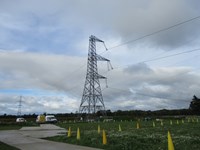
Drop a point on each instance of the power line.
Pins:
(172, 55)
(153, 33)
(142, 37)
(159, 58)
(143, 94)
(155, 59)
(147, 35)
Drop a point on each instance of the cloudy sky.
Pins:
(44, 46)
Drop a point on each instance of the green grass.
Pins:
(4, 146)
(15, 126)
(185, 136)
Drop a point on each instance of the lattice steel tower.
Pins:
(92, 99)
(19, 107)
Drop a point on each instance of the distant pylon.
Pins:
(92, 99)
(19, 107)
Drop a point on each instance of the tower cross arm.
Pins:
(96, 39)
(100, 58)
(100, 76)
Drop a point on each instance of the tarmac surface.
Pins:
(29, 138)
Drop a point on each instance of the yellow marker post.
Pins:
(120, 129)
(161, 123)
(170, 142)
(138, 126)
(171, 123)
(197, 120)
(154, 124)
(183, 121)
(69, 132)
(104, 138)
(177, 122)
(99, 129)
(78, 136)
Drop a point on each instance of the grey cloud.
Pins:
(55, 73)
(37, 104)
(136, 87)
(140, 68)
(40, 71)
(110, 19)
(129, 19)
(132, 19)
(169, 88)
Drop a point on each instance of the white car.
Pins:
(20, 120)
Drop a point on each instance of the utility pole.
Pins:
(92, 99)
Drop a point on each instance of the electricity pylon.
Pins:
(92, 99)
(19, 107)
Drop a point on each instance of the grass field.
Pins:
(185, 135)
(15, 126)
(4, 146)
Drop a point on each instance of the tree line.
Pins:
(194, 109)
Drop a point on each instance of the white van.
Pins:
(20, 120)
(51, 119)
(46, 119)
